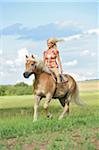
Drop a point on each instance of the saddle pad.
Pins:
(63, 78)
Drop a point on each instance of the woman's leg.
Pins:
(56, 71)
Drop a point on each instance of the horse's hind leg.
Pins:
(66, 110)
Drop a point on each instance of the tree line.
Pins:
(17, 89)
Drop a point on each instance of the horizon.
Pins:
(89, 80)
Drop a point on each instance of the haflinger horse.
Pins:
(45, 86)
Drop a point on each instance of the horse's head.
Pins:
(30, 66)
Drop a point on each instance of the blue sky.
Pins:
(26, 26)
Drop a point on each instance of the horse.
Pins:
(45, 86)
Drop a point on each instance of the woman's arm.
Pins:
(59, 62)
(44, 57)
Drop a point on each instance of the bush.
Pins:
(17, 89)
(22, 84)
(2, 90)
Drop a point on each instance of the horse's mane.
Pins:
(41, 65)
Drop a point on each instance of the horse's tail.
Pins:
(75, 96)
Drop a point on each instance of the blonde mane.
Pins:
(40, 64)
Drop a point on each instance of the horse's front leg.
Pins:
(46, 104)
(36, 105)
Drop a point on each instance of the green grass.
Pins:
(16, 101)
(79, 130)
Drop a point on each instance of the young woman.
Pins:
(52, 57)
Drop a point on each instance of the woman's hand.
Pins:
(61, 71)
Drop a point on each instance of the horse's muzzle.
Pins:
(26, 74)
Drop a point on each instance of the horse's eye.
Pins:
(32, 64)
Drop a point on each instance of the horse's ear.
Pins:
(26, 56)
(33, 56)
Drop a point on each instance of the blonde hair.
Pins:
(55, 41)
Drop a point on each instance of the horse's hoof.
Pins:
(60, 118)
(50, 116)
(34, 120)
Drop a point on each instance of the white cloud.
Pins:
(19, 59)
(63, 24)
(92, 31)
(87, 53)
(80, 75)
(21, 56)
(74, 37)
(1, 61)
(1, 74)
(71, 63)
(93, 54)
(13, 69)
(1, 51)
(9, 62)
(86, 76)
(82, 35)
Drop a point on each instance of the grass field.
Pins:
(78, 131)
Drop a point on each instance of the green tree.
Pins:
(21, 84)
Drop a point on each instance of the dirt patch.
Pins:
(9, 143)
(76, 137)
(34, 145)
(95, 142)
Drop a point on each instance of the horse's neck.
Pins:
(41, 76)
(43, 67)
